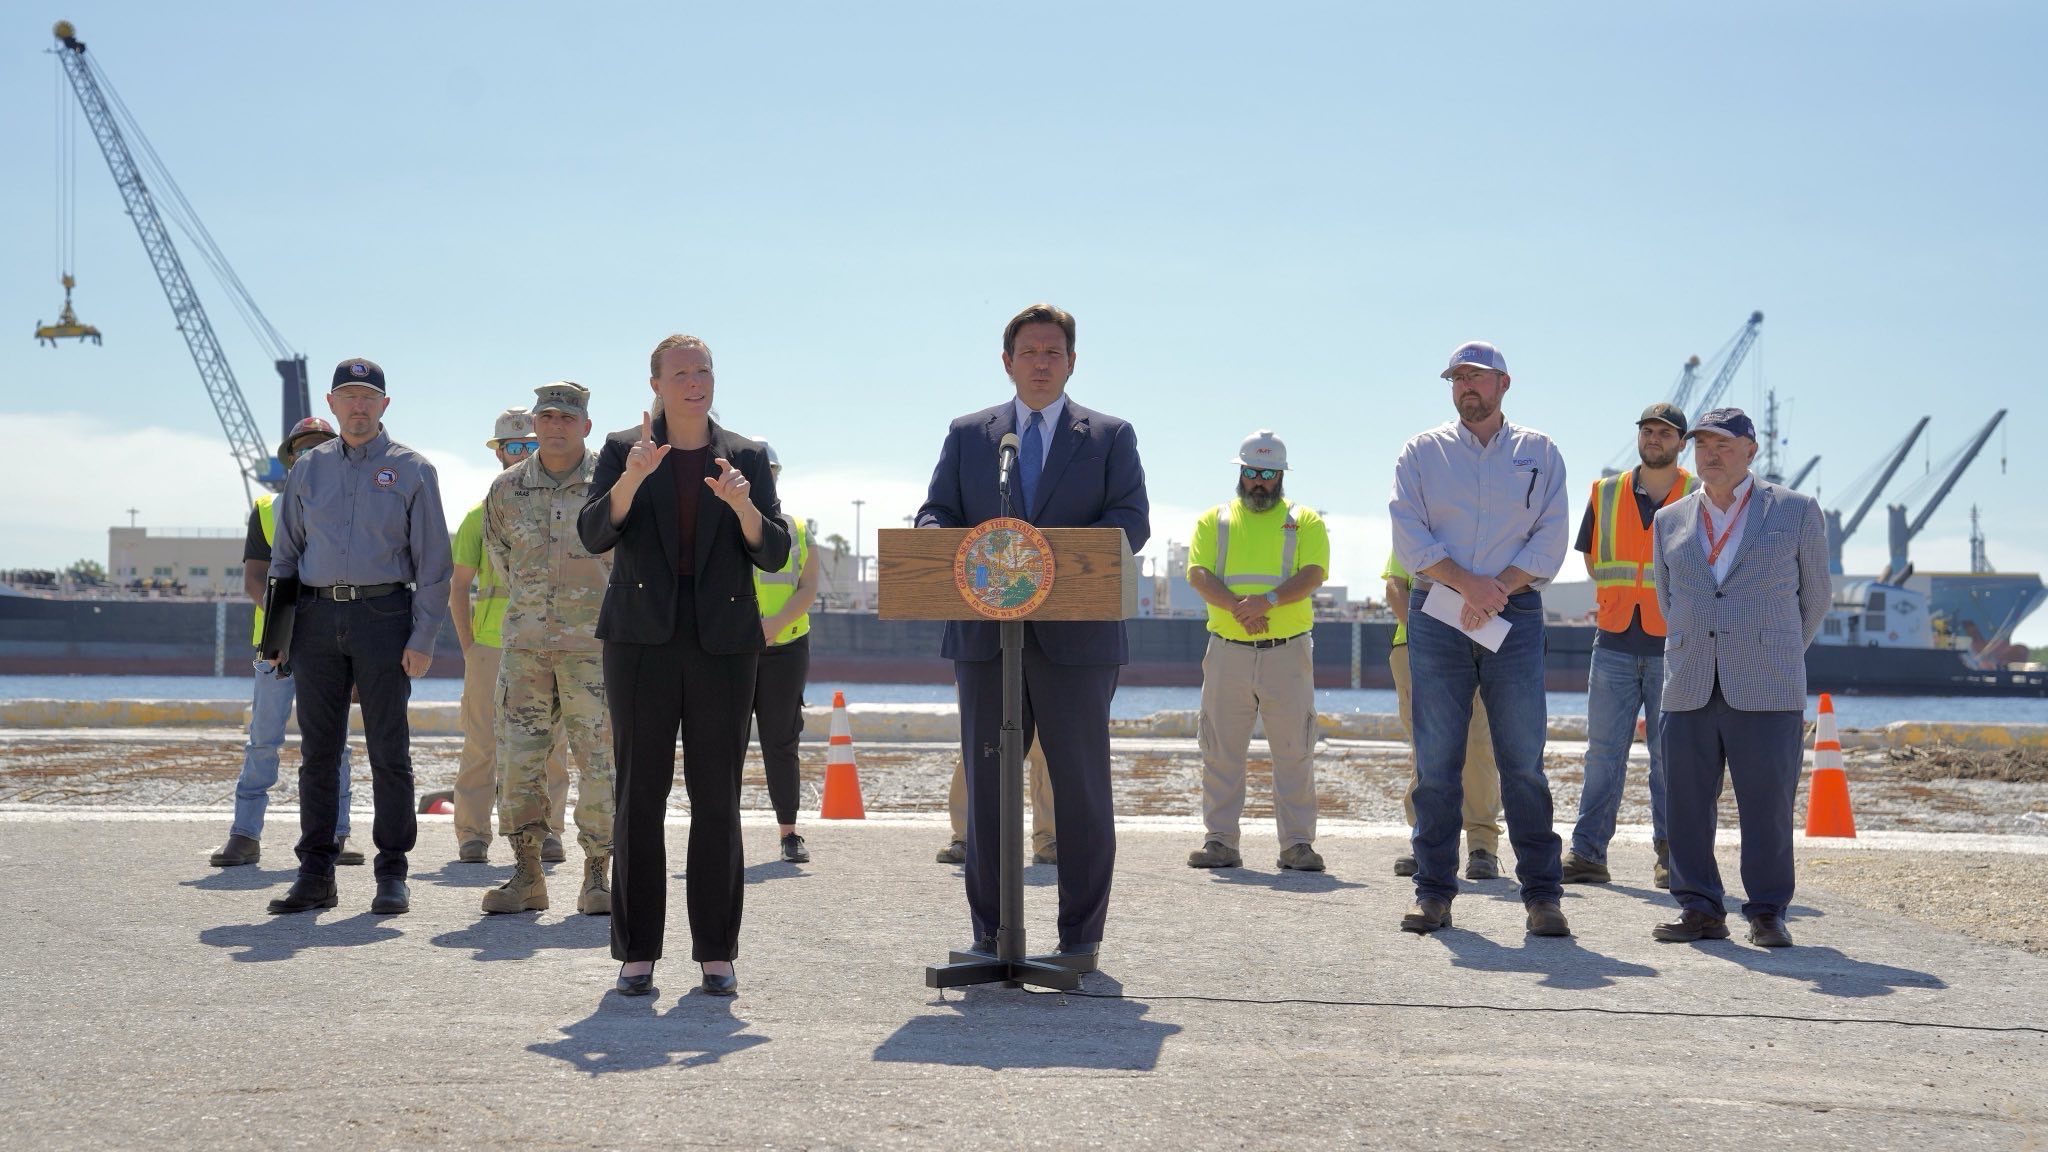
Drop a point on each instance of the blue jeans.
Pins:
(268, 711)
(1446, 667)
(1618, 688)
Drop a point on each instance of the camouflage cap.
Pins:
(513, 424)
(562, 396)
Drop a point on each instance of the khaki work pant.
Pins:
(1242, 684)
(1482, 777)
(1039, 788)
(476, 776)
(542, 693)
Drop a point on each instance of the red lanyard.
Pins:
(1714, 546)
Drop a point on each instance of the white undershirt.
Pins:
(1718, 522)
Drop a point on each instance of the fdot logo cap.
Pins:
(357, 371)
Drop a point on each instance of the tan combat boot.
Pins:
(527, 890)
(596, 899)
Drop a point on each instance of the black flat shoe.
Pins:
(343, 854)
(721, 985)
(1081, 958)
(393, 898)
(636, 985)
(306, 893)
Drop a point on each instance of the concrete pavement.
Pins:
(147, 998)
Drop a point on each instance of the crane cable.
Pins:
(64, 125)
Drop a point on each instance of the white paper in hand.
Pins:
(1445, 604)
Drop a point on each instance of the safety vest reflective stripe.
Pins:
(1288, 538)
(1624, 579)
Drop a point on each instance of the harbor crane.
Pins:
(1838, 532)
(113, 126)
(1902, 531)
(1726, 376)
(1730, 358)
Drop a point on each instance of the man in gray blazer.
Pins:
(1742, 577)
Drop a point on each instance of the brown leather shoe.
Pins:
(1768, 931)
(1427, 916)
(1547, 919)
(1579, 870)
(1691, 926)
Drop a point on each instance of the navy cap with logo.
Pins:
(1727, 422)
(1663, 413)
(357, 371)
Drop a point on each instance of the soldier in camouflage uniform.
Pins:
(553, 670)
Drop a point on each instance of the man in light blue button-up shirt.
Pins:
(1479, 507)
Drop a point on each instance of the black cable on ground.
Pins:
(1538, 1009)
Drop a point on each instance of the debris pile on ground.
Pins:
(1950, 762)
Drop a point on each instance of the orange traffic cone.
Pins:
(842, 780)
(441, 807)
(1827, 796)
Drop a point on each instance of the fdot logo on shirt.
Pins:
(1524, 461)
(386, 477)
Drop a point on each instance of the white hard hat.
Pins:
(1262, 449)
(774, 461)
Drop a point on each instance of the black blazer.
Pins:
(640, 604)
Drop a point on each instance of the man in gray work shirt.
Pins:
(1479, 512)
(360, 525)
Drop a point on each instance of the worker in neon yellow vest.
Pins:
(786, 597)
(271, 706)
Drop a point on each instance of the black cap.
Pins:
(1726, 421)
(357, 371)
(1663, 413)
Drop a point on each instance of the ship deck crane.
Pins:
(1903, 531)
(107, 116)
(1838, 532)
(1805, 471)
(1726, 376)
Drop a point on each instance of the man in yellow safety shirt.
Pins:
(1257, 561)
(785, 597)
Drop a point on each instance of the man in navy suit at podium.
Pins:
(1077, 468)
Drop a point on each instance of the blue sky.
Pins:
(1282, 217)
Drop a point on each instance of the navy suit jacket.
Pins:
(1092, 479)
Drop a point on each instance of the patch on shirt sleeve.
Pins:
(386, 477)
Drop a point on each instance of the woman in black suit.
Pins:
(687, 510)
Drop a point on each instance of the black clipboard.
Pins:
(280, 612)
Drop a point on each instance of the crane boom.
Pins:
(1891, 467)
(245, 441)
(1726, 375)
(1804, 473)
(1954, 474)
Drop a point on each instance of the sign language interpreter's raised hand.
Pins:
(645, 455)
(732, 486)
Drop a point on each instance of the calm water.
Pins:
(1853, 711)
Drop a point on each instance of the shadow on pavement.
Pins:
(990, 1027)
(774, 870)
(1285, 881)
(453, 874)
(522, 935)
(283, 937)
(1562, 961)
(627, 1034)
(243, 878)
(1827, 970)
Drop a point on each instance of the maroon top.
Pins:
(690, 466)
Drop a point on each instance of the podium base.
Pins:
(967, 968)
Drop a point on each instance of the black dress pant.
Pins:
(654, 689)
(356, 644)
(1066, 706)
(779, 717)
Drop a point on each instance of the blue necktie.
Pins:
(1032, 457)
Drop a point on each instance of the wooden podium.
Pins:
(921, 577)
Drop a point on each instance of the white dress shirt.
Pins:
(1719, 522)
(1485, 506)
(1052, 420)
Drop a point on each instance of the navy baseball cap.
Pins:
(357, 371)
(1477, 353)
(1726, 421)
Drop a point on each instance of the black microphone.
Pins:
(1006, 455)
